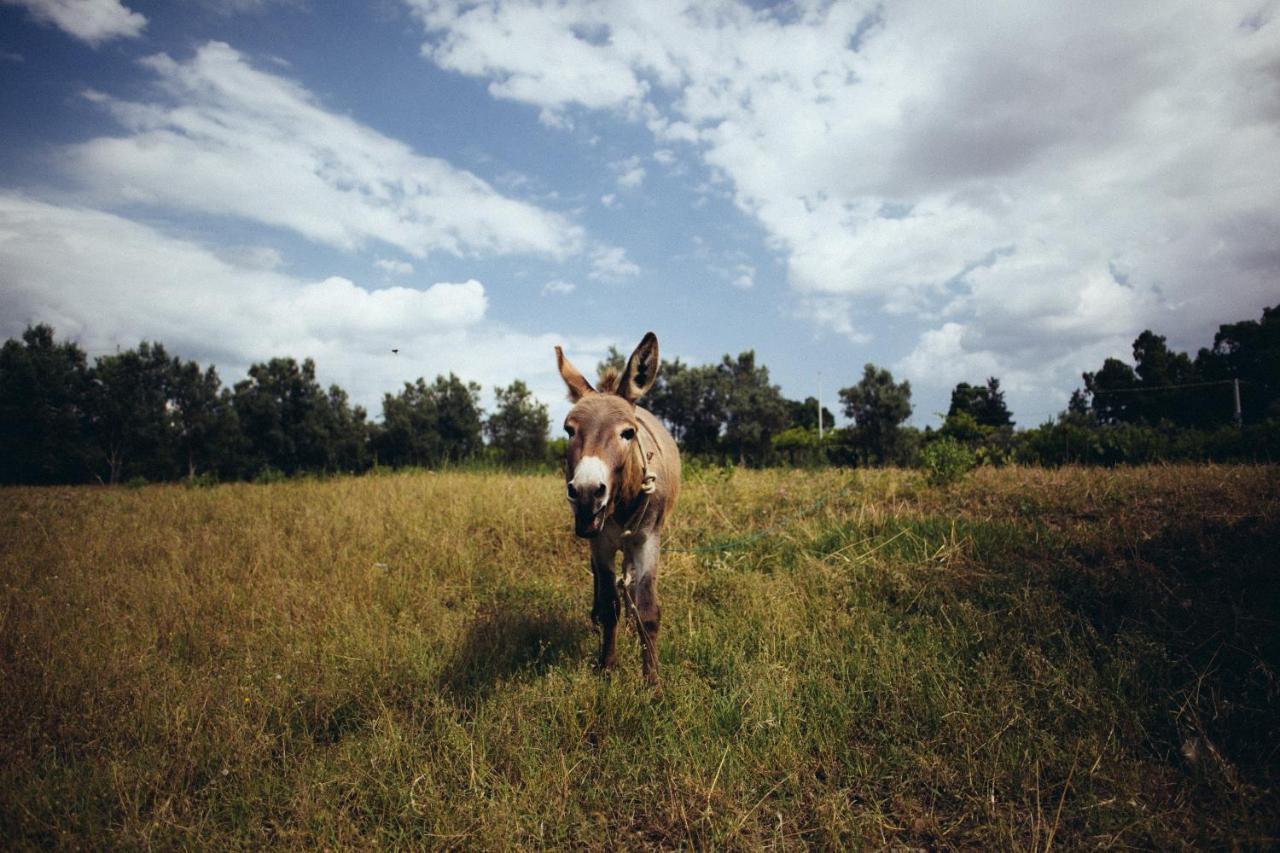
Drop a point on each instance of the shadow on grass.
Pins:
(512, 636)
(1208, 594)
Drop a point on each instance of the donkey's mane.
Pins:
(609, 378)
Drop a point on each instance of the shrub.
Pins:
(203, 480)
(269, 475)
(946, 460)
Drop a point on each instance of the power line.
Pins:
(1165, 387)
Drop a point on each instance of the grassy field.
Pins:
(1028, 659)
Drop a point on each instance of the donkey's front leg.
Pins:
(640, 563)
(604, 604)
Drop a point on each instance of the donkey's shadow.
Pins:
(508, 638)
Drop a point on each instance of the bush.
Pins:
(269, 475)
(701, 469)
(946, 460)
(1075, 442)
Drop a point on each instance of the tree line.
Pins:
(144, 414)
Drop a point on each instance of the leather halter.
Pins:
(648, 484)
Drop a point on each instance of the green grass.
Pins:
(1024, 659)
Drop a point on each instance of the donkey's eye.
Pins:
(628, 434)
(569, 430)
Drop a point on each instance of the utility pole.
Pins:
(1235, 388)
(820, 406)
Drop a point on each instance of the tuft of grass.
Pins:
(1024, 658)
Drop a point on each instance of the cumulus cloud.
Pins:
(107, 281)
(91, 21)
(241, 7)
(1016, 180)
(394, 266)
(226, 138)
(610, 263)
(630, 172)
(548, 55)
(632, 178)
(256, 257)
(557, 287)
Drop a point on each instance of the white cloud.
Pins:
(256, 257)
(558, 287)
(943, 358)
(744, 276)
(241, 7)
(983, 169)
(632, 178)
(834, 313)
(233, 140)
(630, 172)
(538, 54)
(394, 266)
(956, 352)
(107, 281)
(609, 200)
(664, 156)
(610, 263)
(91, 21)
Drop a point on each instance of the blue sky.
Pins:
(948, 192)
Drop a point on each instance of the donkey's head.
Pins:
(601, 466)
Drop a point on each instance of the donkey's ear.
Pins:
(642, 369)
(579, 387)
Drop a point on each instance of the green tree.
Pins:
(754, 408)
(349, 439)
(693, 403)
(878, 407)
(985, 404)
(206, 431)
(1158, 368)
(614, 359)
(805, 414)
(518, 429)
(459, 418)
(287, 418)
(129, 413)
(430, 424)
(43, 392)
(1250, 352)
(408, 433)
(1111, 392)
(798, 445)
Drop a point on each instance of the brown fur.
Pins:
(608, 381)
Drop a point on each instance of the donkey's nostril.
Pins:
(600, 490)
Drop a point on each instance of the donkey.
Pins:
(622, 475)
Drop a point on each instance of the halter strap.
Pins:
(648, 483)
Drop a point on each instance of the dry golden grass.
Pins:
(1027, 659)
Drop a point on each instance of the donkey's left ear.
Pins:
(641, 370)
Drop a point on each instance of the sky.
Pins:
(949, 190)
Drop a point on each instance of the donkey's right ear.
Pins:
(579, 387)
